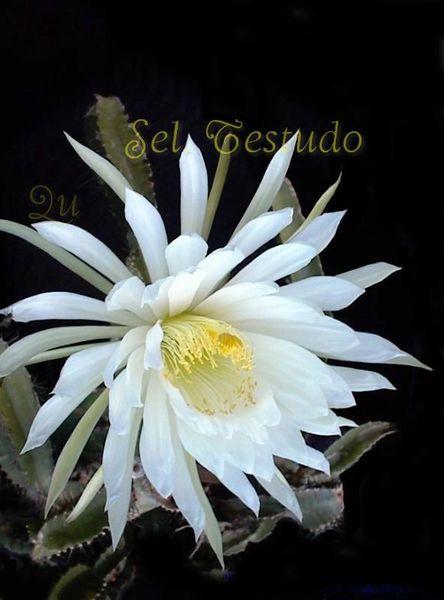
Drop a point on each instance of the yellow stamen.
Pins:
(210, 362)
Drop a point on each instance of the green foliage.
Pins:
(58, 535)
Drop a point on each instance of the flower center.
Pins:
(210, 363)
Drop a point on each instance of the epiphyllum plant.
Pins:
(200, 366)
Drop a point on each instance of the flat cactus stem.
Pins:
(115, 135)
(18, 407)
(57, 535)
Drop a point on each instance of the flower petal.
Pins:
(359, 380)
(271, 183)
(127, 295)
(279, 489)
(118, 499)
(102, 167)
(136, 377)
(276, 263)
(188, 501)
(149, 229)
(288, 442)
(120, 407)
(183, 289)
(327, 293)
(80, 368)
(153, 354)
(236, 481)
(293, 321)
(185, 251)
(319, 232)
(118, 457)
(193, 188)
(370, 274)
(155, 445)
(22, 351)
(212, 530)
(56, 409)
(373, 348)
(261, 230)
(85, 246)
(156, 296)
(66, 305)
(216, 267)
(132, 340)
(228, 295)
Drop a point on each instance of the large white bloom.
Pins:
(201, 367)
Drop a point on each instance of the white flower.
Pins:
(211, 369)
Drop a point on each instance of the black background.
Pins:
(377, 67)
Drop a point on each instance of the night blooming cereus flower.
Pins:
(199, 366)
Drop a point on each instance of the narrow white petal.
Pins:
(66, 305)
(327, 293)
(149, 229)
(296, 322)
(212, 530)
(236, 481)
(185, 495)
(373, 348)
(52, 414)
(184, 252)
(127, 295)
(288, 442)
(102, 167)
(359, 380)
(82, 367)
(326, 425)
(132, 340)
(136, 376)
(370, 274)
(120, 406)
(261, 230)
(183, 289)
(338, 393)
(320, 231)
(271, 183)
(85, 246)
(228, 295)
(155, 445)
(201, 447)
(216, 267)
(118, 498)
(343, 422)
(153, 355)
(118, 457)
(279, 489)
(193, 188)
(91, 490)
(294, 374)
(276, 263)
(22, 351)
(156, 297)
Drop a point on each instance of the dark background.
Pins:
(377, 67)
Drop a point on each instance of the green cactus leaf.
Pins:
(118, 142)
(322, 508)
(110, 133)
(58, 535)
(18, 407)
(253, 530)
(348, 449)
(77, 582)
